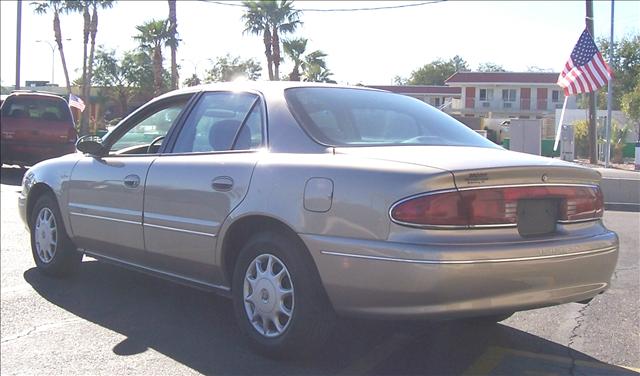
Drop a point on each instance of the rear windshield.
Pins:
(38, 108)
(356, 117)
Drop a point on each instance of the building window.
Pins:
(555, 96)
(509, 95)
(486, 94)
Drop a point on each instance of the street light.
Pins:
(53, 55)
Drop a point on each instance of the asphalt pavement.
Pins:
(108, 320)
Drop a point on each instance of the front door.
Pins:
(192, 189)
(106, 193)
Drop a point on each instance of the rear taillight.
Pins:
(495, 206)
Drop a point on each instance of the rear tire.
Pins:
(53, 252)
(279, 302)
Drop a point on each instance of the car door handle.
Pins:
(222, 183)
(132, 181)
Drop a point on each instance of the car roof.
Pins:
(35, 93)
(259, 86)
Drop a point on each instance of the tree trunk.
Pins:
(84, 117)
(276, 54)
(124, 103)
(267, 52)
(93, 31)
(58, 35)
(173, 30)
(157, 70)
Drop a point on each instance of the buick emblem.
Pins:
(545, 178)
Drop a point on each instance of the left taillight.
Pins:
(495, 206)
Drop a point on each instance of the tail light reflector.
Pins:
(496, 206)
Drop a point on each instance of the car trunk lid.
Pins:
(481, 167)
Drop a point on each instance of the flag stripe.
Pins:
(596, 73)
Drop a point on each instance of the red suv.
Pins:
(35, 126)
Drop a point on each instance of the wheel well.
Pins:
(241, 231)
(35, 193)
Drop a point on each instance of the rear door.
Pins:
(106, 194)
(193, 188)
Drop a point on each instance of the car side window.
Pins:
(155, 124)
(222, 121)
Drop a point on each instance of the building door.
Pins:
(542, 99)
(470, 97)
(525, 98)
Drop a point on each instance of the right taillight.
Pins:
(495, 206)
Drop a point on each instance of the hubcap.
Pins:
(268, 295)
(46, 235)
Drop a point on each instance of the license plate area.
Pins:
(537, 216)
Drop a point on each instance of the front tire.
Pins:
(279, 302)
(53, 252)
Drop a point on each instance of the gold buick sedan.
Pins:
(307, 202)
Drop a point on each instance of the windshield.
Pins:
(34, 107)
(357, 117)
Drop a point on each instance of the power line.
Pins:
(339, 9)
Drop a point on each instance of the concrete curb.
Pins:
(621, 192)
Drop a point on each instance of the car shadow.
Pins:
(11, 175)
(198, 330)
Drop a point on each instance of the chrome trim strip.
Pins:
(173, 275)
(531, 185)
(105, 218)
(564, 222)
(466, 262)
(464, 227)
(181, 230)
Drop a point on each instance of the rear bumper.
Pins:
(29, 154)
(396, 280)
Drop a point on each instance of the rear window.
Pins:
(356, 117)
(36, 108)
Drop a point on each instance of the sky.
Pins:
(369, 47)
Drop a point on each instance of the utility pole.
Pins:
(593, 149)
(607, 151)
(18, 32)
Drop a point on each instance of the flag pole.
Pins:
(559, 126)
(607, 152)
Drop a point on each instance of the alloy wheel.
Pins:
(268, 295)
(46, 235)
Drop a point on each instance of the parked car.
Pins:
(35, 126)
(306, 201)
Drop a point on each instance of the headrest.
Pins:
(222, 133)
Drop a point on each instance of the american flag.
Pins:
(76, 102)
(586, 70)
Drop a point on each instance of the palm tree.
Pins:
(295, 48)
(256, 22)
(284, 19)
(271, 18)
(173, 43)
(153, 35)
(315, 68)
(56, 6)
(89, 10)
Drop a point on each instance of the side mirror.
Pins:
(90, 145)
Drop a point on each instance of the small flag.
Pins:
(76, 102)
(586, 70)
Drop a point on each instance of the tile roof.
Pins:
(503, 77)
(418, 89)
